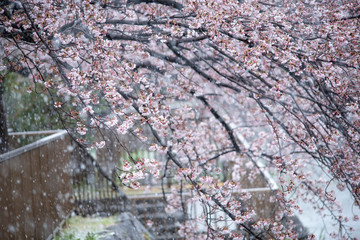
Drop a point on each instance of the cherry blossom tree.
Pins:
(240, 82)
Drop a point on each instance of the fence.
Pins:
(150, 208)
(95, 191)
(35, 188)
(41, 183)
(94, 195)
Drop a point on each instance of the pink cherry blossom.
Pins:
(223, 90)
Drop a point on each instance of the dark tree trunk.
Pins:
(4, 136)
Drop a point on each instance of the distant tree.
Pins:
(227, 80)
(23, 109)
(28, 108)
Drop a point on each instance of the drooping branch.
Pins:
(223, 123)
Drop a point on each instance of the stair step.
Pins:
(160, 215)
(149, 205)
(169, 228)
(167, 225)
(169, 237)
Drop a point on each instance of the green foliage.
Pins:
(90, 236)
(84, 228)
(66, 236)
(28, 111)
(71, 236)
